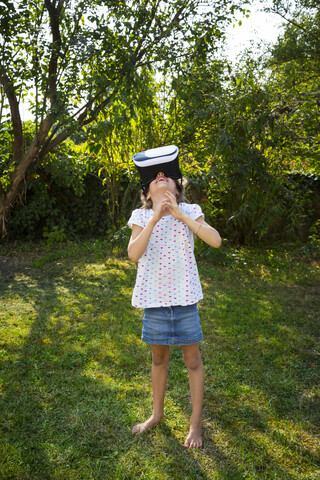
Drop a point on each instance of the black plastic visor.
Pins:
(162, 159)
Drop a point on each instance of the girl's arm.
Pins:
(203, 230)
(139, 240)
(140, 236)
(200, 227)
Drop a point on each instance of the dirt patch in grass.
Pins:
(16, 263)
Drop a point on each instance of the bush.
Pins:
(67, 195)
(246, 210)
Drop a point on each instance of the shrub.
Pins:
(67, 195)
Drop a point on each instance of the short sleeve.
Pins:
(193, 211)
(137, 218)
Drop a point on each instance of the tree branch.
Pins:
(292, 22)
(147, 27)
(164, 34)
(18, 142)
(67, 47)
(54, 15)
(81, 121)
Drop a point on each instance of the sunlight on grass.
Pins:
(75, 376)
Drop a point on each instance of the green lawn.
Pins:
(75, 377)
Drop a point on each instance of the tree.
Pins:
(294, 85)
(250, 126)
(231, 122)
(228, 124)
(71, 59)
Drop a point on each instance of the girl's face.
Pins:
(161, 184)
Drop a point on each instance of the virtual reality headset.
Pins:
(162, 159)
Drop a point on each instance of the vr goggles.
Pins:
(162, 159)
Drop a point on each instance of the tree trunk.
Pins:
(29, 159)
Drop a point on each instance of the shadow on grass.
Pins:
(73, 374)
(261, 352)
(75, 378)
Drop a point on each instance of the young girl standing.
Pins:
(167, 285)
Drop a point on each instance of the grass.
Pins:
(75, 377)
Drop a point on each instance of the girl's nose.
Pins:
(160, 174)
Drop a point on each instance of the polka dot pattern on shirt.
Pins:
(167, 272)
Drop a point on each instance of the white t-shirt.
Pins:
(167, 271)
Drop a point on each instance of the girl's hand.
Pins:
(161, 210)
(173, 206)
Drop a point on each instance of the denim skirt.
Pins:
(177, 325)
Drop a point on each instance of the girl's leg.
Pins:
(193, 362)
(159, 373)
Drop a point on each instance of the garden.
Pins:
(101, 81)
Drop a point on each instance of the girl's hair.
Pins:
(147, 203)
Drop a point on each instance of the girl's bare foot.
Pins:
(143, 427)
(194, 439)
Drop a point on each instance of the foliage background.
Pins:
(247, 132)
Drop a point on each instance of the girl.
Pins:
(168, 288)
